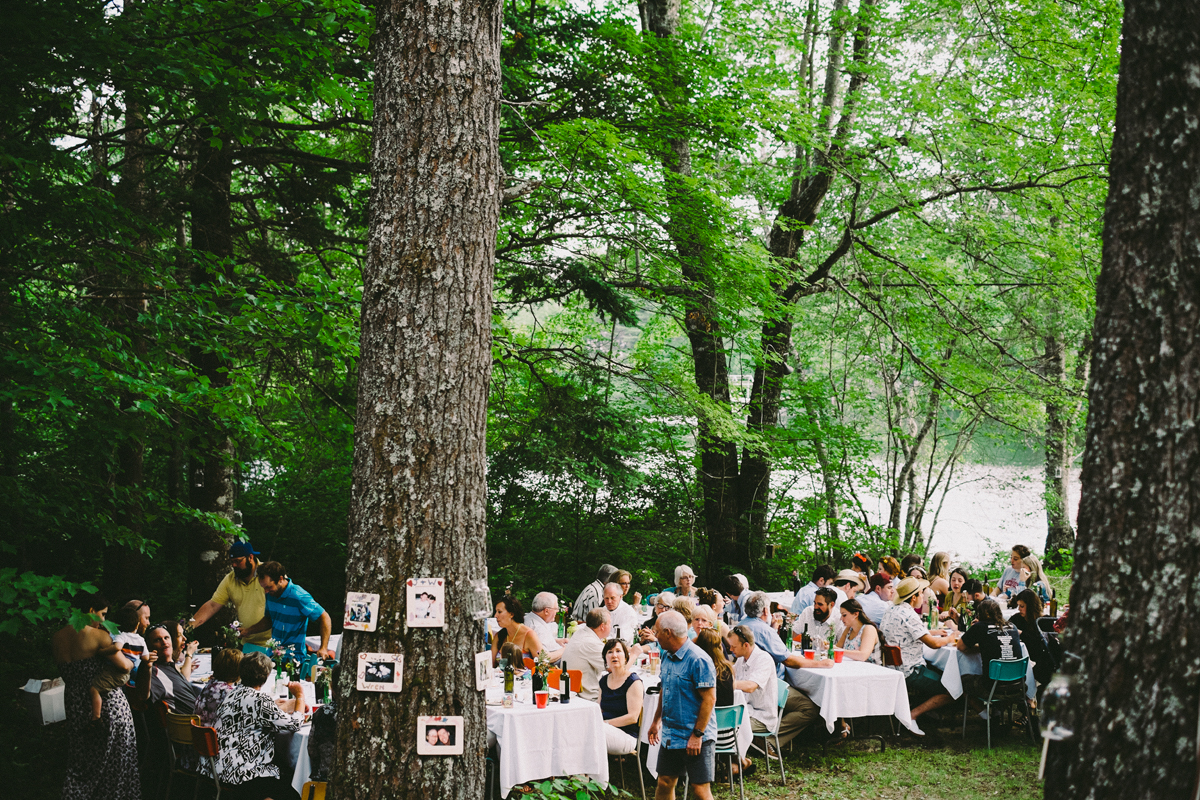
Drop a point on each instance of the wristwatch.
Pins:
(699, 734)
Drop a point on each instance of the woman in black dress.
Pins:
(101, 755)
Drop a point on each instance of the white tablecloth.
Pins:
(335, 644)
(745, 734)
(856, 689)
(954, 664)
(538, 743)
(297, 755)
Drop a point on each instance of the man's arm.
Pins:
(205, 612)
(708, 701)
(936, 639)
(798, 661)
(325, 627)
(263, 624)
(749, 687)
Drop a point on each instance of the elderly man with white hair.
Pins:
(625, 620)
(541, 622)
(684, 724)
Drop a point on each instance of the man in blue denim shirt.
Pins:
(684, 723)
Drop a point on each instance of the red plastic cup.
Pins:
(810, 654)
(541, 698)
(837, 655)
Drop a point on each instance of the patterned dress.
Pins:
(102, 759)
(246, 726)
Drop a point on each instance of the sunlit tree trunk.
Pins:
(1134, 621)
(418, 502)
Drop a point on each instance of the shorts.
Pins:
(698, 769)
(924, 683)
(109, 679)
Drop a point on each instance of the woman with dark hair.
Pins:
(861, 564)
(860, 638)
(1029, 609)
(101, 754)
(247, 724)
(993, 638)
(956, 598)
(620, 699)
(511, 616)
(710, 642)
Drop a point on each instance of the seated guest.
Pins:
(905, 629)
(620, 700)
(543, 623)
(585, 651)
(939, 574)
(849, 583)
(225, 665)
(624, 619)
(592, 594)
(1035, 577)
(736, 590)
(322, 739)
(928, 599)
(909, 561)
(993, 638)
(685, 581)
(821, 618)
(890, 567)
(511, 617)
(860, 637)
(664, 601)
(973, 589)
(956, 599)
(247, 724)
(1011, 581)
(512, 654)
(713, 599)
(185, 651)
(862, 565)
(704, 618)
(878, 600)
(1029, 609)
(685, 605)
(159, 672)
(754, 674)
(624, 579)
(800, 711)
(708, 641)
(821, 576)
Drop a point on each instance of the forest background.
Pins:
(756, 259)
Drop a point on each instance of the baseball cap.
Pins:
(240, 549)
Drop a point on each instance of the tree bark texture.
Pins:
(1134, 620)
(418, 501)
(1060, 534)
(211, 478)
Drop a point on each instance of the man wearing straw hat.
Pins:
(903, 627)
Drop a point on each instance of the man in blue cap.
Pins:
(240, 589)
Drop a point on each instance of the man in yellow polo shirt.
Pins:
(240, 589)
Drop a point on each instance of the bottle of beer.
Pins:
(508, 675)
(1054, 607)
(564, 685)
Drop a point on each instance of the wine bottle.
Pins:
(805, 639)
(508, 678)
(564, 685)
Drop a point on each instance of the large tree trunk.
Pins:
(211, 484)
(418, 501)
(1133, 619)
(1060, 535)
(718, 472)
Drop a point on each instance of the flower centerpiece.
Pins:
(229, 636)
(284, 658)
(541, 670)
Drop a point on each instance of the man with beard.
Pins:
(819, 617)
(240, 588)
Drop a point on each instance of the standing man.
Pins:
(585, 652)
(289, 609)
(684, 724)
(624, 619)
(541, 621)
(240, 589)
(593, 593)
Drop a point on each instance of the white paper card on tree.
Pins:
(483, 670)
(426, 602)
(380, 672)
(439, 736)
(362, 611)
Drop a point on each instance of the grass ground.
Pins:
(940, 767)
